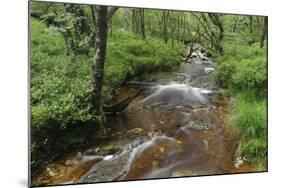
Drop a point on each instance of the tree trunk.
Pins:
(126, 19)
(234, 24)
(138, 25)
(165, 18)
(178, 27)
(142, 26)
(251, 25)
(134, 21)
(69, 43)
(264, 31)
(218, 41)
(99, 60)
(173, 30)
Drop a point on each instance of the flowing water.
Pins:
(172, 129)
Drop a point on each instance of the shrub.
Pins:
(243, 68)
(255, 151)
(251, 75)
(224, 72)
(249, 116)
(129, 56)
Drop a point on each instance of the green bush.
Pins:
(224, 72)
(128, 56)
(46, 40)
(251, 74)
(250, 117)
(243, 68)
(255, 151)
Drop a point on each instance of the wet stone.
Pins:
(52, 172)
(197, 125)
(108, 170)
(195, 171)
(68, 163)
(182, 173)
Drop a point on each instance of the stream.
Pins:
(174, 128)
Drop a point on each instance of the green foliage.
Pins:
(224, 73)
(251, 74)
(61, 84)
(60, 94)
(243, 68)
(256, 151)
(45, 40)
(243, 71)
(61, 113)
(249, 116)
(128, 56)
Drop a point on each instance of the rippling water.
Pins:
(173, 129)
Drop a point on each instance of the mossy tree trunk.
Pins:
(264, 31)
(99, 61)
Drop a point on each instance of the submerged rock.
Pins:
(68, 163)
(182, 173)
(52, 172)
(108, 170)
(209, 70)
(195, 171)
(196, 125)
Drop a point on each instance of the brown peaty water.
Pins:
(171, 130)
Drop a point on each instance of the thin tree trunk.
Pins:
(142, 24)
(234, 24)
(99, 61)
(68, 41)
(134, 21)
(165, 25)
(216, 21)
(178, 27)
(126, 19)
(184, 27)
(138, 25)
(251, 25)
(264, 31)
(173, 30)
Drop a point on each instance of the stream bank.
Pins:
(174, 128)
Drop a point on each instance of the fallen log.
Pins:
(120, 106)
(136, 83)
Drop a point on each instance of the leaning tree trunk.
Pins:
(264, 32)
(99, 60)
